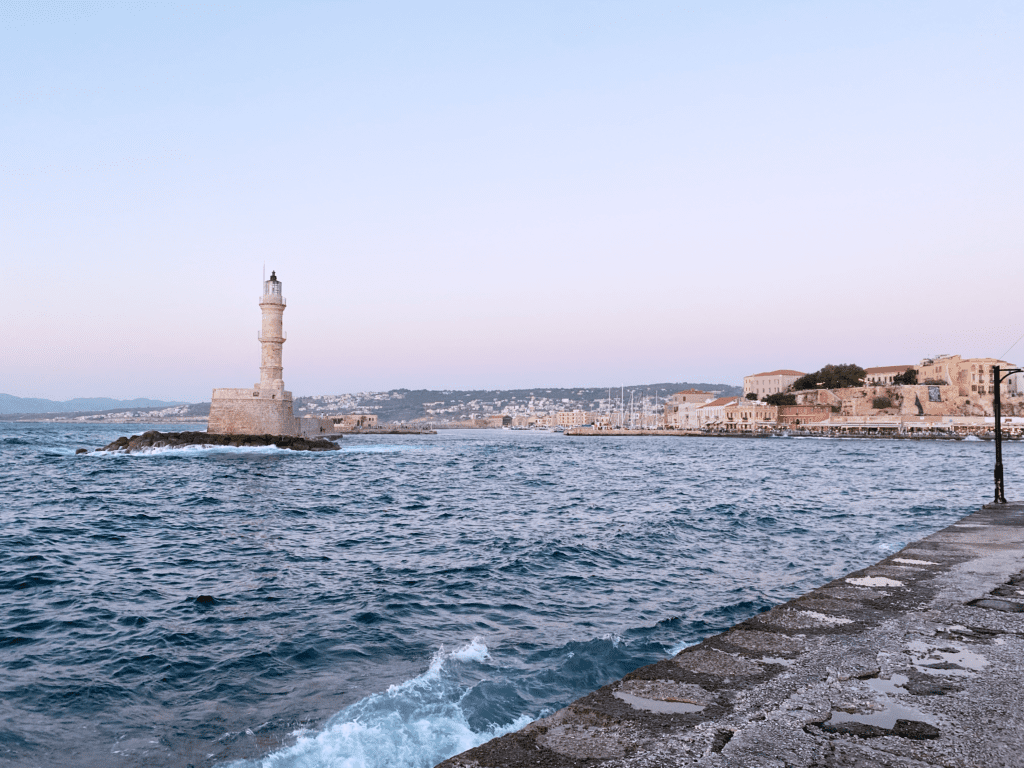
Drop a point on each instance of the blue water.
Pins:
(408, 597)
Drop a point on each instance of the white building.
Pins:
(770, 382)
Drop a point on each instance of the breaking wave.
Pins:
(417, 723)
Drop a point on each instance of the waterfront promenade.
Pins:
(914, 661)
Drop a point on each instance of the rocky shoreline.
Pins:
(154, 439)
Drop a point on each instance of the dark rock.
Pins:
(722, 737)
(914, 729)
(81, 450)
(205, 600)
(863, 730)
(907, 729)
(922, 684)
(154, 439)
(1007, 606)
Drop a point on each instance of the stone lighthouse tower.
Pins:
(266, 409)
(272, 335)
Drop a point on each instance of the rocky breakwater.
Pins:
(153, 439)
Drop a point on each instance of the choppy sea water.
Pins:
(407, 597)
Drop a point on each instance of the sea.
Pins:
(410, 596)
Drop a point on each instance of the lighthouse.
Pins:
(266, 409)
(272, 336)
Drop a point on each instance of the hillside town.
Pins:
(942, 395)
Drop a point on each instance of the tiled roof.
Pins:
(781, 372)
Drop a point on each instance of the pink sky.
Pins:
(491, 196)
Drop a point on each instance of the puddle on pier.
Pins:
(657, 705)
(893, 710)
(948, 661)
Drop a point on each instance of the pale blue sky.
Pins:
(504, 194)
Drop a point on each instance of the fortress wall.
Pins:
(311, 426)
(251, 412)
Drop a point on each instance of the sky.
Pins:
(463, 195)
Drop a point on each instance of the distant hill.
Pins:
(447, 405)
(12, 404)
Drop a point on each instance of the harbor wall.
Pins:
(251, 412)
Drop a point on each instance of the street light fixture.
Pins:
(997, 407)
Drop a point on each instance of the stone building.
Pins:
(266, 409)
(349, 421)
(749, 416)
(769, 382)
(971, 376)
(884, 375)
(574, 418)
(680, 410)
(712, 415)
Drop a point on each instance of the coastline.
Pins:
(911, 661)
(778, 433)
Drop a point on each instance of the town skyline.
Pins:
(698, 382)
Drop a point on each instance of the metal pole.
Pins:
(997, 408)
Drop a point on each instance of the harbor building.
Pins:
(884, 375)
(680, 411)
(769, 382)
(266, 409)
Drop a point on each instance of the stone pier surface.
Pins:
(915, 661)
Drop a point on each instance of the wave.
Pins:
(177, 450)
(416, 724)
(380, 448)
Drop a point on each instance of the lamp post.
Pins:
(997, 406)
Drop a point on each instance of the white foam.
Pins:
(379, 448)
(676, 649)
(188, 449)
(912, 562)
(875, 581)
(416, 724)
(475, 651)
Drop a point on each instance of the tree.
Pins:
(751, 396)
(832, 377)
(881, 402)
(781, 398)
(909, 376)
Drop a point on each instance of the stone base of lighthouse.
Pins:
(252, 412)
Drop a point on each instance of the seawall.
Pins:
(914, 661)
(788, 432)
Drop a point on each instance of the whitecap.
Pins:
(415, 724)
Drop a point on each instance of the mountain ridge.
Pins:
(15, 404)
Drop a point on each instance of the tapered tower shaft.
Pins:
(272, 337)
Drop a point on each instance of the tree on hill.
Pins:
(909, 376)
(832, 377)
(781, 398)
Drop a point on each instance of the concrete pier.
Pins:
(915, 661)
